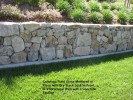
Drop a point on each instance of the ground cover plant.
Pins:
(111, 74)
(67, 11)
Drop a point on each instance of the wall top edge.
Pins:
(67, 24)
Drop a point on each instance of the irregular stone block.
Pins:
(60, 54)
(6, 51)
(82, 51)
(9, 29)
(18, 44)
(68, 51)
(84, 40)
(19, 57)
(36, 39)
(35, 47)
(7, 41)
(4, 60)
(31, 26)
(47, 53)
(62, 40)
(32, 56)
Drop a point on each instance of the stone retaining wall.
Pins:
(31, 41)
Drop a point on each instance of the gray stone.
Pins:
(6, 51)
(49, 33)
(51, 41)
(36, 39)
(18, 44)
(60, 54)
(70, 34)
(26, 37)
(99, 38)
(32, 56)
(35, 47)
(4, 60)
(9, 29)
(68, 51)
(48, 53)
(105, 39)
(28, 44)
(19, 57)
(1, 40)
(84, 40)
(7, 41)
(62, 40)
(31, 26)
(41, 32)
(43, 44)
(102, 50)
(82, 51)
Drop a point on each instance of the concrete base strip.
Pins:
(62, 60)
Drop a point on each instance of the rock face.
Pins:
(32, 41)
(19, 57)
(18, 44)
(9, 29)
(82, 51)
(47, 53)
(4, 60)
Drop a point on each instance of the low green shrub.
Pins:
(131, 17)
(113, 6)
(19, 1)
(77, 15)
(94, 6)
(53, 2)
(105, 5)
(9, 12)
(63, 6)
(107, 16)
(33, 2)
(96, 17)
(122, 17)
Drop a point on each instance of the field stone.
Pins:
(4, 60)
(18, 44)
(7, 41)
(47, 53)
(19, 57)
(6, 51)
(36, 39)
(82, 51)
(60, 54)
(33, 56)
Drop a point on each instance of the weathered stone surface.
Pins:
(41, 32)
(35, 47)
(60, 54)
(111, 48)
(50, 33)
(102, 50)
(62, 40)
(82, 51)
(18, 44)
(32, 56)
(7, 41)
(47, 53)
(99, 38)
(6, 51)
(4, 60)
(26, 37)
(9, 29)
(31, 26)
(19, 57)
(43, 44)
(28, 44)
(1, 40)
(84, 40)
(51, 41)
(36, 39)
(68, 51)
(70, 34)
(104, 39)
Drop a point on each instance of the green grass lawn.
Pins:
(113, 76)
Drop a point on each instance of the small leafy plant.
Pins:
(33, 2)
(107, 16)
(105, 5)
(77, 15)
(96, 17)
(94, 6)
(19, 1)
(122, 17)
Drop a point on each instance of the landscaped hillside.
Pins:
(87, 11)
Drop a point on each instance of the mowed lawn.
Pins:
(113, 76)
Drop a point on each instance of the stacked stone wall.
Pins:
(31, 41)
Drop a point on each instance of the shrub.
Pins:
(105, 5)
(131, 17)
(9, 12)
(33, 2)
(63, 6)
(77, 15)
(53, 2)
(122, 17)
(96, 17)
(19, 1)
(94, 6)
(113, 6)
(107, 16)
(71, 1)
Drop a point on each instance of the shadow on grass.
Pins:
(8, 74)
